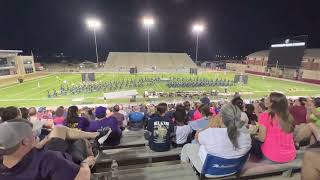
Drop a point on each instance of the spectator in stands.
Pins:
(276, 130)
(101, 122)
(262, 106)
(313, 111)
(205, 100)
(171, 109)
(197, 112)
(299, 111)
(25, 113)
(182, 129)
(151, 112)
(237, 101)
(213, 107)
(1, 111)
(179, 108)
(10, 112)
(33, 113)
(252, 117)
(87, 113)
(74, 121)
(160, 130)
(22, 161)
(91, 115)
(59, 116)
(311, 131)
(187, 107)
(136, 119)
(310, 168)
(40, 125)
(230, 141)
(204, 121)
(118, 116)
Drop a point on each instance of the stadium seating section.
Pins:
(123, 61)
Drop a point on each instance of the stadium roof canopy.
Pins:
(309, 53)
(9, 53)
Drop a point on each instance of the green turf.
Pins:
(29, 94)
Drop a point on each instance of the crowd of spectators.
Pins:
(56, 143)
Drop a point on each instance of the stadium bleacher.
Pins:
(135, 160)
(149, 62)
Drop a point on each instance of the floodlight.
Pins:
(93, 23)
(148, 21)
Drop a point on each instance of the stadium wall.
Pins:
(311, 76)
(252, 69)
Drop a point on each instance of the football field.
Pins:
(34, 92)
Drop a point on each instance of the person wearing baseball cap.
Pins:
(19, 159)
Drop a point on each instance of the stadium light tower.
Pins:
(148, 22)
(197, 28)
(94, 24)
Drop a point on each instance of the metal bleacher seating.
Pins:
(137, 161)
(123, 61)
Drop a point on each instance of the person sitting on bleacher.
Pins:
(225, 137)
(299, 111)
(119, 116)
(311, 130)
(197, 112)
(276, 131)
(136, 119)
(101, 122)
(204, 121)
(237, 101)
(74, 121)
(187, 107)
(1, 111)
(160, 130)
(12, 112)
(253, 118)
(24, 113)
(58, 117)
(182, 129)
(21, 160)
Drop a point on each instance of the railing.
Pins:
(6, 66)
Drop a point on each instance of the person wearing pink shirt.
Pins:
(197, 113)
(276, 130)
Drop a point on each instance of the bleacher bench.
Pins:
(128, 141)
(265, 167)
(135, 153)
(168, 172)
(133, 156)
(127, 133)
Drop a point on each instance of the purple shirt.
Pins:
(110, 122)
(94, 126)
(115, 136)
(41, 164)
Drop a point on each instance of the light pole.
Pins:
(94, 24)
(197, 28)
(148, 22)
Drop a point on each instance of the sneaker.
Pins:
(103, 135)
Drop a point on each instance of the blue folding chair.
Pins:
(220, 167)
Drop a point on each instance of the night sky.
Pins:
(233, 27)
